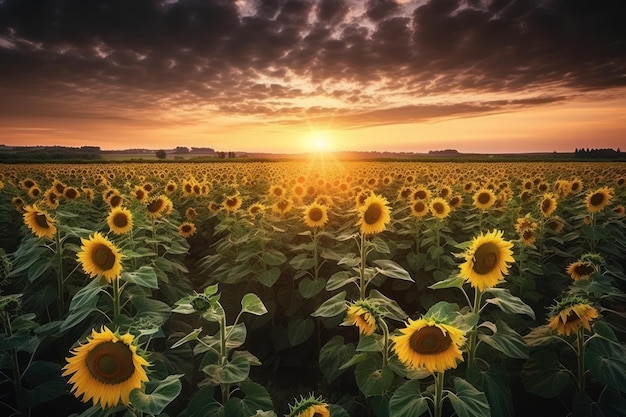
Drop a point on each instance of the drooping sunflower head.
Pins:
(598, 199)
(555, 224)
(547, 205)
(374, 215)
(309, 407)
(40, 222)
(120, 220)
(428, 344)
(487, 260)
(364, 315)
(525, 223)
(484, 198)
(99, 256)
(106, 368)
(256, 209)
(571, 314)
(187, 229)
(315, 215)
(439, 208)
(580, 270)
(191, 213)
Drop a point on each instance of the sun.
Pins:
(318, 142)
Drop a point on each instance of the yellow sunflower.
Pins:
(598, 199)
(487, 260)
(39, 222)
(71, 193)
(187, 229)
(159, 206)
(309, 407)
(424, 343)
(120, 220)
(106, 368)
(374, 214)
(277, 191)
(51, 198)
(555, 224)
(484, 198)
(256, 209)
(420, 193)
(190, 213)
(315, 215)
(99, 256)
(282, 206)
(232, 203)
(439, 208)
(419, 209)
(547, 205)
(115, 200)
(580, 270)
(363, 315)
(570, 315)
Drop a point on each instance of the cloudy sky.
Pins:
(281, 75)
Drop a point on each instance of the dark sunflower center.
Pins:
(282, 205)
(316, 214)
(430, 340)
(170, 187)
(454, 201)
(147, 187)
(405, 193)
(155, 206)
(231, 202)
(571, 317)
(42, 221)
(373, 213)
(596, 199)
(254, 210)
(188, 188)
(120, 220)
(115, 201)
(186, 228)
(421, 194)
(528, 234)
(484, 198)
(111, 363)
(546, 205)
(139, 194)
(438, 207)
(317, 414)
(103, 256)
(29, 184)
(419, 207)
(584, 269)
(278, 192)
(35, 191)
(71, 193)
(485, 258)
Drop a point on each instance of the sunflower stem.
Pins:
(60, 278)
(224, 354)
(474, 332)
(362, 267)
(383, 325)
(438, 402)
(316, 268)
(580, 342)
(154, 235)
(116, 298)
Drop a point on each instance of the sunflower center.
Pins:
(282, 205)
(430, 340)
(71, 193)
(111, 363)
(103, 256)
(571, 317)
(419, 206)
(438, 207)
(186, 228)
(316, 214)
(231, 202)
(485, 258)
(155, 206)
(545, 205)
(421, 194)
(120, 220)
(584, 270)
(484, 198)
(596, 199)
(373, 213)
(115, 200)
(42, 221)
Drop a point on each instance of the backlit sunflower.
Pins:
(99, 256)
(187, 229)
(439, 208)
(315, 215)
(419, 208)
(598, 199)
(277, 191)
(547, 205)
(424, 343)
(487, 260)
(619, 210)
(571, 314)
(580, 270)
(256, 209)
(484, 198)
(309, 407)
(106, 368)
(282, 206)
(120, 220)
(232, 203)
(40, 222)
(374, 215)
(362, 314)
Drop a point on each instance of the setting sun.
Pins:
(318, 142)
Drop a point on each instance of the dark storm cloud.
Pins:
(258, 57)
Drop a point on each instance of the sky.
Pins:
(291, 76)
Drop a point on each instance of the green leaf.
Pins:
(332, 307)
(454, 281)
(299, 330)
(302, 262)
(390, 307)
(340, 279)
(333, 355)
(494, 382)
(144, 277)
(606, 361)
(508, 302)
(191, 336)
(391, 269)
(46, 381)
(544, 375)
(255, 398)
(269, 277)
(505, 339)
(82, 304)
(203, 404)
(274, 258)
(310, 288)
(157, 395)
(232, 372)
(407, 400)
(443, 311)
(379, 245)
(540, 335)
(372, 378)
(467, 401)
(251, 303)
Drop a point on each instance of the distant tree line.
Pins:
(48, 153)
(599, 153)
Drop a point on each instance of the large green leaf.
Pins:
(371, 378)
(144, 277)
(274, 258)
(467, 401)
(157, 395)
(82, 304)
(544, 375)
(390, 307)
(453, 281)
(255, 397)
(505, 339)
(391, 269)
(203, 404)
(509, 303)
(494, 382)
(443, 311)
(333, 355)
(606, 360)
(299, 330)
(270, 276)
(332, 307)
(311, 287)
(251, 303)
(340, 279)
(231, 372)
(407, 400)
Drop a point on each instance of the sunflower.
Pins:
(419, 209)
(140, 193)
(547, 205)
(39, 222)
(364, 315)
(439, 208)
(315, 215)
(598, 199)
(527, 237)
(170, 187)
(619, 210)
(51, 198)
(282, 206)
(120, 220)
(232, 203)
(455, 201)
(256, 209)
(158, 207)
(309, 407)
(580, 270)
(106, 368)
(71, 193)
(99, 256)
(555, 224)
(571, 314)
(486, 260)
(424, 343)
(484, 198)
(420, 193)
(115, 200)
(34, 192)
(27, 184)
(277, 191)
(190, 213)
(361, 196)
(187, 229)
(19, 204)
(374, 214)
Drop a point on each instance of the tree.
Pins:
(161, 154)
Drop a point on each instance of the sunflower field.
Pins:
(313, 289)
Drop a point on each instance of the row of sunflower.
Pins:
(232, 289)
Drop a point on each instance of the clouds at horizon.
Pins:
(342, 63)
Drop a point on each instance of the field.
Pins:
(313, 289)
